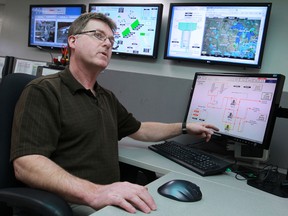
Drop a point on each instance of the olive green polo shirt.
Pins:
(58, 118)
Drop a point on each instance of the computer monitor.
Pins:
(27, 66)
(138, 27)
(49, 24)
(243, 106)
(6, 65)
(2, 61)
(217, 33)
(46, 70)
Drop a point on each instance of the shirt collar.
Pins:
(69, 80)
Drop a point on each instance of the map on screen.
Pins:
(236, 37)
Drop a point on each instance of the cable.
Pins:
(268, 174)
(41, 48)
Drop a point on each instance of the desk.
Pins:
(223, 195)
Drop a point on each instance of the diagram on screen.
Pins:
(239, 108)
(186, 36)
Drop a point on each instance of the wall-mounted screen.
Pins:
(138, 27)
(218, 33)
(49, 24)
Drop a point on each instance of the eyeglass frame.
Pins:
(104, 38)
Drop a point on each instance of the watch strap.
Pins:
(184, 128)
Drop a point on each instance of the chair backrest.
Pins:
(11, 88)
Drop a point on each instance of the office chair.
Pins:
(14, 194)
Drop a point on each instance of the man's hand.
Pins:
(125, 195)
(201, 129)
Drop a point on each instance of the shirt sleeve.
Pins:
(128, 126)
(36, 123)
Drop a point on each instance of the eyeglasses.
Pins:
(101, 36)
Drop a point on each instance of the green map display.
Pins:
(137, 27)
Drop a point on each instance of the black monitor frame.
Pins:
(132, 51)
(45, 43)
(7, 66)
(218, 55)
(273, 113)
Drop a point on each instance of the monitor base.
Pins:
(275, 186)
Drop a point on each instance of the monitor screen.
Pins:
(242, 106)
(49, 24)
(218, 33)
(138, 27)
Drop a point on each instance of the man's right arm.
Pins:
(40, 172)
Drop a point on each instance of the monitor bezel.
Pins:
(30, 43)
(157, 30)
(273, 111)
(219, 62)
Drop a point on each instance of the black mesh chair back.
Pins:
(12, 192)
(10, 90)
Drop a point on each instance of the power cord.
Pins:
(268, 174)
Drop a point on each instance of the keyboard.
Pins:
(194, 159)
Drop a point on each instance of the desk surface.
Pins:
(222, 194)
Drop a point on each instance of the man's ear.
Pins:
(71, 41)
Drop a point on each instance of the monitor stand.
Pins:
(277, 187)
(268, 180)
(273, 182)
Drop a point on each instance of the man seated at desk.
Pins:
(66, 128)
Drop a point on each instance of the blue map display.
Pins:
(231, 37)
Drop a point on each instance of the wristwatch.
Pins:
(184, 128)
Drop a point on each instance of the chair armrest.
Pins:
(35, 200)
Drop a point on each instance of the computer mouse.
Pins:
(181, 190)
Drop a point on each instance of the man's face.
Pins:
(93, 48)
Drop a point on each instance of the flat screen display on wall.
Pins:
(138, 27)
(218, 33)
(49, 24)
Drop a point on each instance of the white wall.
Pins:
(1, 15)
(14, 37)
